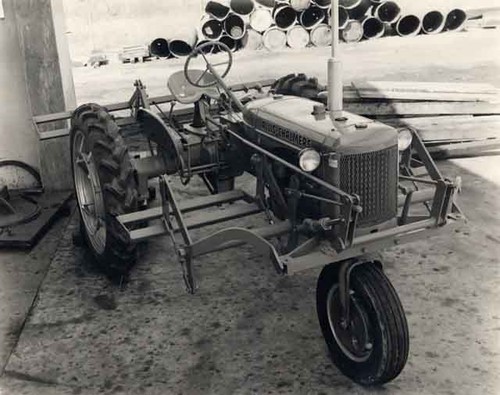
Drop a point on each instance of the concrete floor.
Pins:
(248, 331)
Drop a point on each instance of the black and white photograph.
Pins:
(218, 197)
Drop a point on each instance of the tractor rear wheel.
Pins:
(372, 349)
(298, 85)
(105, 186)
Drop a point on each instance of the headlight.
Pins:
(309, 160)
(405, 138)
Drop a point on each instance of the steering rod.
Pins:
(226, 89)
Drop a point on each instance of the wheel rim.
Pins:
(355, 340)
(89, 193)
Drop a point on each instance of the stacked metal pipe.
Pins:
(275, 24)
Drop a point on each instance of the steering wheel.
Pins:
(210, 68)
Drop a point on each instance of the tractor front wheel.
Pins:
(105, 186)
(372, 348)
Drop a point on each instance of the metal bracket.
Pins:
(351, 209)
(345, 271)
(293, 204)
(408, 192)
(169, 205)
(265, 178)
(139, 99)
(230, 235)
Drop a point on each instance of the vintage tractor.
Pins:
(333, 186)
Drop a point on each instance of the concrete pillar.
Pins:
(18, 139)
(34, 80)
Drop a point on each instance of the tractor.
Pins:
(333, 187)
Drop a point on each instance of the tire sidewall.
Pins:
(369, 371)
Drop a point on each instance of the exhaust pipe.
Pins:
(372, 27)
(335, 85)
(300, 5)
(261, 20)
(235, 27)
(253, 40)
(159, 47)
(312, 17)
(274, 39)
(356, 8)
(297, 37)
(211, 28)
(231, 43)
(387, 11)
(242, 7)
(183, 44)
(321, 36)
(433, 22)
(455, 20)
(217, 9)
(353, 32)
(408, 26)
(325, 4)
(284, 16)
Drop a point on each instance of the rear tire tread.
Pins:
(110, 155)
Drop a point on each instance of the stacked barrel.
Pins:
(275, 24)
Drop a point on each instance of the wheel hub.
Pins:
(354, 337)
(89, 193)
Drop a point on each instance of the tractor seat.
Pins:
(186, 93)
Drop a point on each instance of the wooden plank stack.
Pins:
(453, 119)
(134, 54)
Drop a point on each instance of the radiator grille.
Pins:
(373, 176)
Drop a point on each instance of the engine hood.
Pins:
(292, 119)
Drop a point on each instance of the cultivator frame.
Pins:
(316, 250)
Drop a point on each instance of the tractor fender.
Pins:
(168, 140)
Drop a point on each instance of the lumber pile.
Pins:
(486, 18)
(453, 119)
(134, 54)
